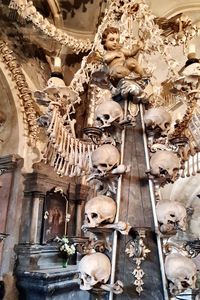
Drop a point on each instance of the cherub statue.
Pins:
(121, 61)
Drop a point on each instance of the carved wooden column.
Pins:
(10, 211)
(135, 208)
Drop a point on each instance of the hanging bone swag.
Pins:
(68, 155)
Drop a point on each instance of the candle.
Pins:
(57, 61)
(192, 48)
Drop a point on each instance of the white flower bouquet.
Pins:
(65, 246)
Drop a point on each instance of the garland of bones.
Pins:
(68, 155)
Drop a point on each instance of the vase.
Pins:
(65, 262)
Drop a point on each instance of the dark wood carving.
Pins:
(136, 209)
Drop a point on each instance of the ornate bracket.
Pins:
(187, 248)
(138, 251)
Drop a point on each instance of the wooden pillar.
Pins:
(135, 208)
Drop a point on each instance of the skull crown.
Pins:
(157, 120)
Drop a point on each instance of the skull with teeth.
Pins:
(98, 210)
(157, 120)
(105, 159)
(165, 163)
(181, 272)
(107, 112)
(94, 268)
(171, 215)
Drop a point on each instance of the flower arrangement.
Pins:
(65, 246)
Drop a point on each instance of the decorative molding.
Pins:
(25, 95)
(9, 163)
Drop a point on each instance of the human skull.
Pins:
(94, 268)
(54, 83)
(181, 271)
(164, 163)
(105, 158)
(157, 120)
(98, 210)
(171, 214)
(107, 112)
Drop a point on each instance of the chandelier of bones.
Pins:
(63, 146)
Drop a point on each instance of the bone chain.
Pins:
(24, 93)
(68, 155)
(27, 11)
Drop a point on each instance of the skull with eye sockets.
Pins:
(105, 159)
(98, 210)
(93, 268)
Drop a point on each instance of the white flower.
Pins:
(65, 245)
